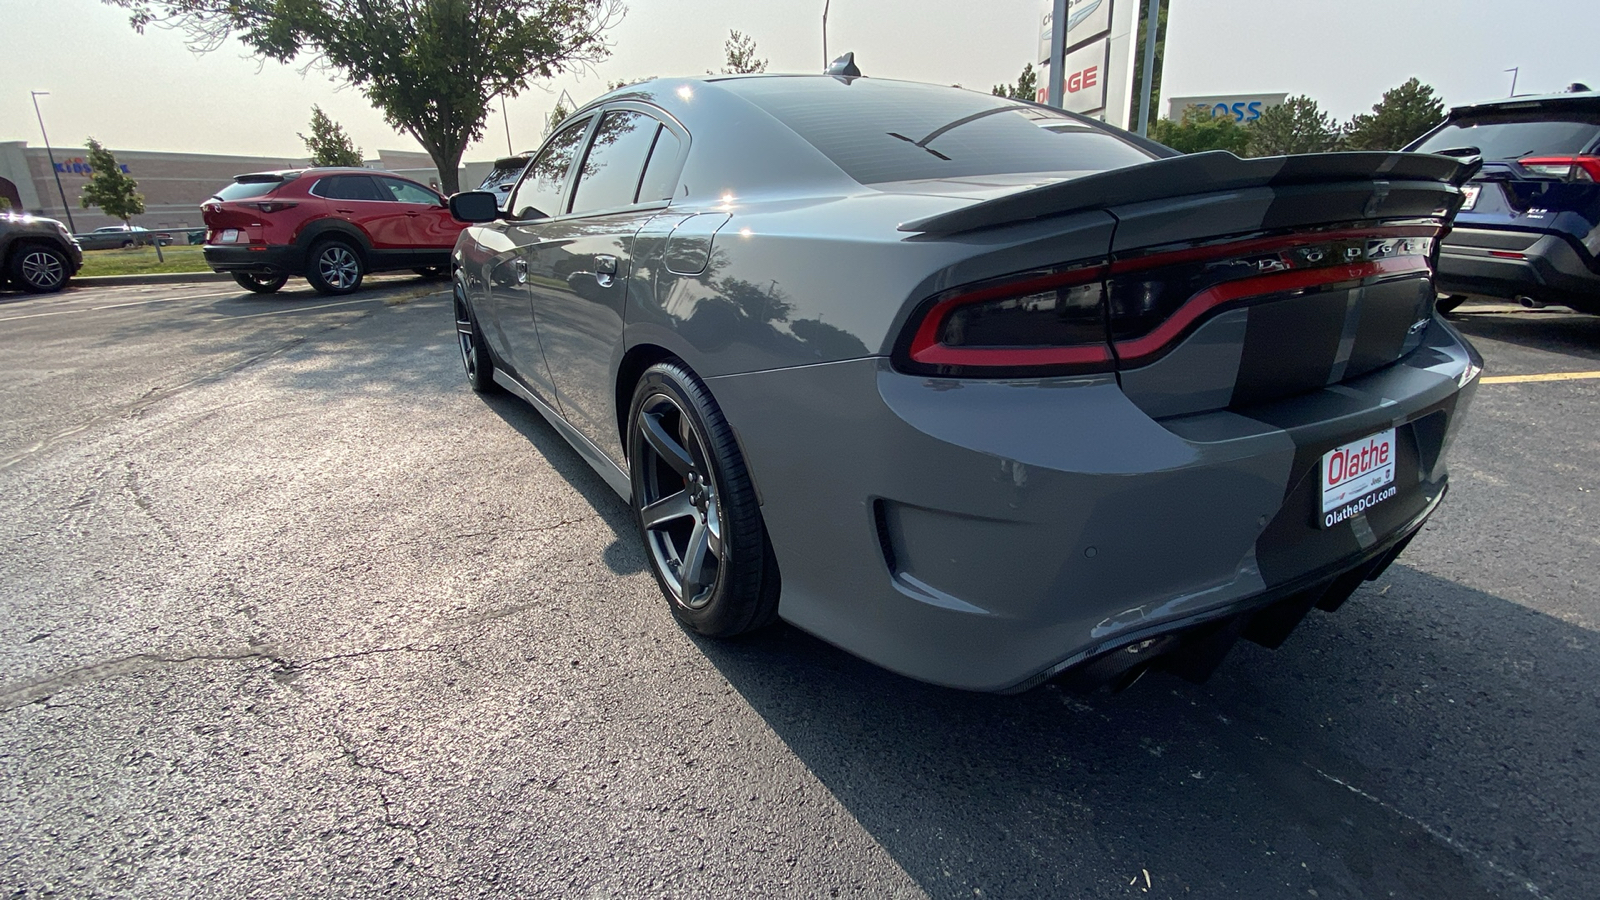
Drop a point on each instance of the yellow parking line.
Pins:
(1553, 376)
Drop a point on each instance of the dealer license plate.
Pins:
(1356, 477)
(1469, 194)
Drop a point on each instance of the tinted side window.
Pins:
(347, 187)
(661, 173)
(244, 190)
(539, 194)
(406, 192)
(610, 173)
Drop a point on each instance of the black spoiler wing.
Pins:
(1196, 173)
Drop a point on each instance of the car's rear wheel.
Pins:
(127, 245)
(475, 356)
(431, 271)
(261, 284)
(336, 268)
(696, 507)
(39, 268)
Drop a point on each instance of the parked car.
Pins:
(504, 175)
(120, 236)
(331, 226)
(1529, 229)
(37, 255)
(977, 389)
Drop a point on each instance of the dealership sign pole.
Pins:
(1150, 29)
(1055, 24)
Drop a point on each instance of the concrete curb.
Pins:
(152, 278)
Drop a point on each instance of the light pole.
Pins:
(825, 60)
(507, 120)
(1513, 71)
(52, 157)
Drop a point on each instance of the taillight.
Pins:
(1566, 168)
(1041, 322)
(1090, 317)
(272, 206)
(1158, 297)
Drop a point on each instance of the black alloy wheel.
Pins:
(39, 268)
(261, 284)
(696, 507)
(336, 268)
(475, 356)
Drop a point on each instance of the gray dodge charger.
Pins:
(979, 390)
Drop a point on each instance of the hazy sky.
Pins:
(150, 93)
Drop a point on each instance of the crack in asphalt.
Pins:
(40, 689)
(1436, 834)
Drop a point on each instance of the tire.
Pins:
(335, 267)
(432, 271)
(39, 268)
(1448, 302)
(127, 245)
(696, 507)
(475, 356)
(261, 284)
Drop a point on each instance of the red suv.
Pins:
(331, 226)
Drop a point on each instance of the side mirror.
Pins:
(475, 206)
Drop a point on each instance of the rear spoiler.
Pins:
(1196, 173)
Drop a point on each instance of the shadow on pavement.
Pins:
(1553, 329)
(1387, 750)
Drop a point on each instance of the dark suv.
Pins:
(1530, 227)
(37, 255)
(331, 226)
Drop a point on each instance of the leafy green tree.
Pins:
(1404, 114)
(430, 66)
(328, 143)
(1296, 126)
(110, 188)
(5, 203)
(1138, 62)
(741, 51)
(1198, 131)
(1026, 88)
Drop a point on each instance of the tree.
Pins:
(1026, 88)
(742, 59)
(1404, 114)
(430, 66)
(1296, 126)
(328, 143)
(1138, 62)
(1198, 131)
(110, 188)
(558, 114)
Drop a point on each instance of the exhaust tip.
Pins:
(1530, 303)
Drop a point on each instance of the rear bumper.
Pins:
(1509, 264)
(269, 260)
(986, 534)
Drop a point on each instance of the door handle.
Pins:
(345, 211)
(605, 264)
(521, 268)
(413, 214)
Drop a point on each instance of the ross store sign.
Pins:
(77, 165)
(1241, 108)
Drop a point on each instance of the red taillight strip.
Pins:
(926, 349)
(1589, 164)
(1278, 282)
(1257, 245)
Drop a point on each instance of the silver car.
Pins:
(982, 391)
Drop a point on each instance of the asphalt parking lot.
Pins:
(286, 610)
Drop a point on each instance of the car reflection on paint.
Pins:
(982, 391)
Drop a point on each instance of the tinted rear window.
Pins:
(1513, 135)
(244, 190)
(879, 131)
